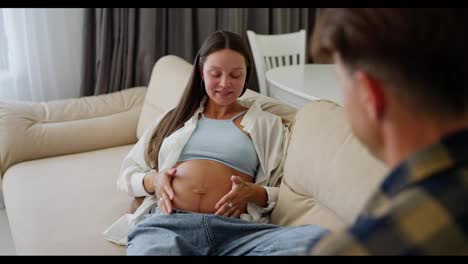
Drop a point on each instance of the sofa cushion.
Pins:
(62, 205)
(326, 172)
(169, 78)
(297, 209)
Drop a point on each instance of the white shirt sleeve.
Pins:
(134, 166)
(273, 135)
(134, 169)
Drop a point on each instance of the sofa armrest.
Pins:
(30, 131)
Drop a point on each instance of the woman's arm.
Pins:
(270, 133)
(148, 183)
(242, 192)
(274, 143)
(274, 137)
(259, 195)
(159, 184)
(134, 169)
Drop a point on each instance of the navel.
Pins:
(199, 191)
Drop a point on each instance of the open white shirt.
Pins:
(269, 137)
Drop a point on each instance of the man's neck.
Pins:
(403, 139)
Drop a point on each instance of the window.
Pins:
(3, 45)
(5, 75)
(38, 58)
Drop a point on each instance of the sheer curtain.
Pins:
(40, 53)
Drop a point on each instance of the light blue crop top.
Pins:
(222, 141)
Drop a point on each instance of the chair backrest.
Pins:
(271, 51)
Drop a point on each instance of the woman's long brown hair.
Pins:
(195, 91)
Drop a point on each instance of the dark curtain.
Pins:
(122, 44)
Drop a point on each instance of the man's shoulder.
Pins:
(412, 219)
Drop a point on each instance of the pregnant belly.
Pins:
(200, 184)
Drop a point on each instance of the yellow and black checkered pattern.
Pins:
(421, 208)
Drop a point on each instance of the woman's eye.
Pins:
(214, 75)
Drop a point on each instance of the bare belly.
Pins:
(200, 184)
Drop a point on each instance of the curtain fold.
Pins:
(122, 44)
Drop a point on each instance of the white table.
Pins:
(299, 84)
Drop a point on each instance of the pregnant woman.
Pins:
(210, 169)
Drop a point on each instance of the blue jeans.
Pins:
(185, 233)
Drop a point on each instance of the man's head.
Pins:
(415, 60)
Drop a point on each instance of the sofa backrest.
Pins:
(328, 174)
(169, 79)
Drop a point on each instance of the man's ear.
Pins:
(200, 68)
(371, 94)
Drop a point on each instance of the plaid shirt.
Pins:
(421, 208)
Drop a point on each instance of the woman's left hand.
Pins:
(235, 201)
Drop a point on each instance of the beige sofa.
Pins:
(60, 160)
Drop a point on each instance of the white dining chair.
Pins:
(271, 51)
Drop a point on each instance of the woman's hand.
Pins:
(161, 184)
(235, 201)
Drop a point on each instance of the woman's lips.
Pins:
(224, 93)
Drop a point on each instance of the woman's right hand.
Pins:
(161, 184)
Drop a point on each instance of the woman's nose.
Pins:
(224, 82)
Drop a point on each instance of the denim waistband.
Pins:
(175, 211)
(155, 207)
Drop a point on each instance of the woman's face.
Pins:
(224, 74)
